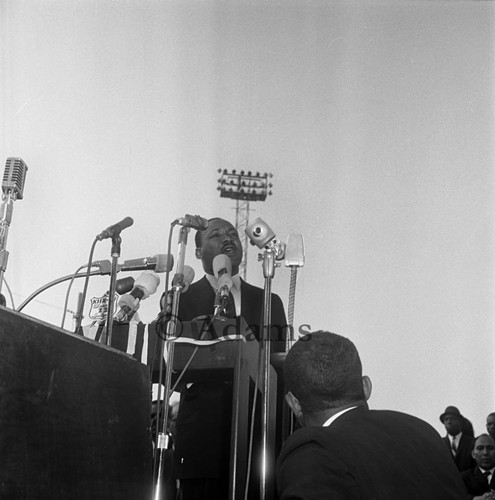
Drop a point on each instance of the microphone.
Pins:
(114, 230)
(104, 266)
(183, 280)
(14, 177)
(124, 285)
(160, 263)
(192, 221)
(12, 189)
(222, 269)
(188, 277)
(294, 251)
(144, 286)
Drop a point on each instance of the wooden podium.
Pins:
(74, 416)
(238, 361)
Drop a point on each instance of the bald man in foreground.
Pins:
(347, 451)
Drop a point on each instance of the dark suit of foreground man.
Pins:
(204, 419)
(347, 451)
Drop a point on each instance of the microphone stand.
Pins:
(288, 415)
(115, 254)
(5, 220)
(268, 273)
(163, 443)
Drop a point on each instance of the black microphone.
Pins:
(222, 269)
(160, 263)
(124, 285)
(192, 221)
(144, 286)
(111, 231)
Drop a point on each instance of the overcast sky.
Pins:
(375, 118)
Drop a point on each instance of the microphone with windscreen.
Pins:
(144, 286)
(222, 269)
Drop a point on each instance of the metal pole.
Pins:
(266, 462)
(115, 254)
(163, 441)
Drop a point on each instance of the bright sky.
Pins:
(375, 118)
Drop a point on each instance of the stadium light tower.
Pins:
(243, 187)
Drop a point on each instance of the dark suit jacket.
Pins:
(476, 483)
(463, 458)
(203, 423)
(369, 455)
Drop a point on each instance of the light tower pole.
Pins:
(243, 187)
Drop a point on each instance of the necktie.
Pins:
(230, 309)
(487, 476)
(454, 447)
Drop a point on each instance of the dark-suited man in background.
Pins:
(203, 422)
(347, 451)
(490, 424)
(459, 443)
(480, 480)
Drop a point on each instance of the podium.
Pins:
(74, 416)
(237, 361)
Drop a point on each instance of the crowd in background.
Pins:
(473, 456)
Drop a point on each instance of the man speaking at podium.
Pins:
(203, 423)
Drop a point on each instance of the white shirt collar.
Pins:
(337, 415)
(236, 280)
(457, 437)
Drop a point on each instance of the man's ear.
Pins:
(367, 387)
(295, 406)
(198, 253)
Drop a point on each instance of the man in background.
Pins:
(480, 480)
(347, 451)
(490, 424)
(458, 442)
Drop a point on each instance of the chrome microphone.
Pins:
(192, 221)
(160, 263)
(14, 177)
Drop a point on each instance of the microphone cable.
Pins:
(10, 293)
(80, 308)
